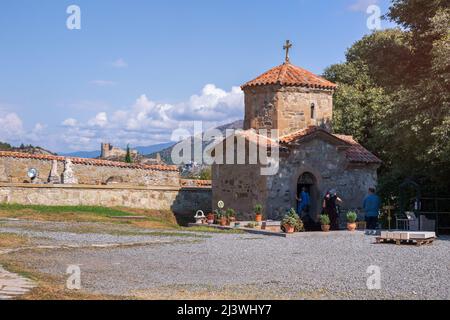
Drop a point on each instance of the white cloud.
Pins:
(70, 122)
(11, 127)
(362, 5)
(120, 63)
(103, 83)
(147, 122)
(100, 120)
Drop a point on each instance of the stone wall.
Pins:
(286, 108)
(242, 186)
(14, 170)
(179, 200)
(331, 170)
(294, 108)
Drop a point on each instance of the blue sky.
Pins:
(139, 69)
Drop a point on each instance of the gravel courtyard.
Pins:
(137, 263)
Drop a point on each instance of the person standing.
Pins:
(371, 207)
(303, 202)
(329, 206)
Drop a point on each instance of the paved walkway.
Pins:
(13, 285)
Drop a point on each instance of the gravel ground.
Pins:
(310, 266)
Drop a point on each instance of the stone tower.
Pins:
(287, 98)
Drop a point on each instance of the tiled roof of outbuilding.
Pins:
(355, 153)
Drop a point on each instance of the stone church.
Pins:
(300, 105)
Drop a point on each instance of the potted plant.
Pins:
(325, 222)
(258, 212)
(221, 217)
(289, 224)
(292, 222)
(351, 220)
(231, 215)
(210, 218)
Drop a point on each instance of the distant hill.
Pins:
(82, 154)
(166, 154)
(25, 149)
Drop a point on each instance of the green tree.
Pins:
(394, 93)
(128, 158)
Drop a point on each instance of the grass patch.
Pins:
(154, 219)
(10, 240)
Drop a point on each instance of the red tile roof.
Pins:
(355, 152)
(290, 75)
(86, 161)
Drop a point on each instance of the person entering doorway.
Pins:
(329, 207)
(303, 202)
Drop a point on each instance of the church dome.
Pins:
(289, 75)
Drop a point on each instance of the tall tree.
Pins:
(128, 158)
(394, 94)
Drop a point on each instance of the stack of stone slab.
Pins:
(399, 237)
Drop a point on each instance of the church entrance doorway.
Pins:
(308, 183)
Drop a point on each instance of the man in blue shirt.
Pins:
(303, 202)
(372, 208)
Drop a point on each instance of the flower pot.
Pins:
(210, 218)
(231, 220)
(351, 226)
(258, 217)
(289, 229)
(325, 227)
(223, 222)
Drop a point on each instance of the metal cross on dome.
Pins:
(286, 47)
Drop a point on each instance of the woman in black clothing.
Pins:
(329, 206)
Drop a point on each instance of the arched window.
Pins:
(313, 111)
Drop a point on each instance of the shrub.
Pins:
(324, 220)
(258, 208)
(352, 216)
(292, 219)
(230, 212)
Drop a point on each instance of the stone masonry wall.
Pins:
(328, 164)
(179, 200)
(242, 186)
(286, 108)
(294, 108)
(14, 170)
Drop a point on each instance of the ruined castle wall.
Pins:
(15, 170)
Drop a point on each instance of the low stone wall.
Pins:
(14, 168)
(183, 201)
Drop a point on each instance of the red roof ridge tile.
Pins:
(88, 161)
